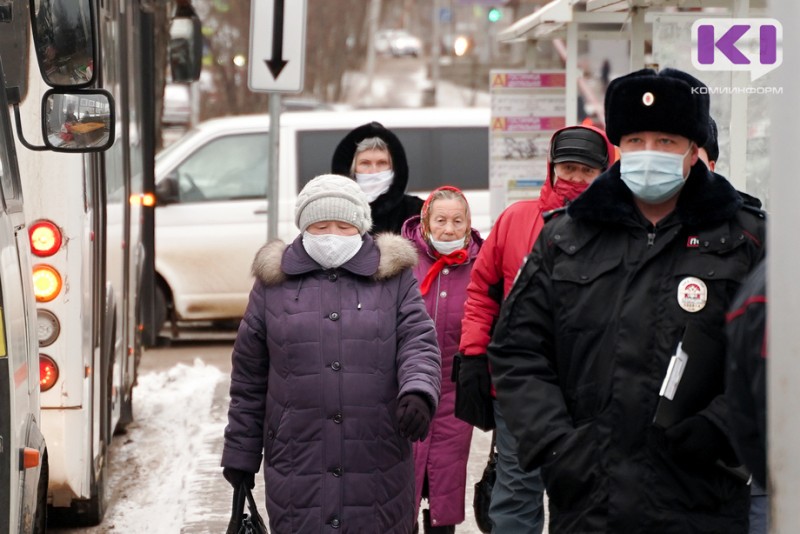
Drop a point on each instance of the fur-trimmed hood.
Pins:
(706, 198)
(379, 258)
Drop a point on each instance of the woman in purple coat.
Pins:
(335, 372)
(446, 245)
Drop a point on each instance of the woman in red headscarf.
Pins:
(447, 246)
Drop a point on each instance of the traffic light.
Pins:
(494, 14)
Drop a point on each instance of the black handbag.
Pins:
(483, 491)
(242, 523)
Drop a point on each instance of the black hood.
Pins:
(346, 150)
(706, 198)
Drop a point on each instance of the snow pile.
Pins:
(154, 469)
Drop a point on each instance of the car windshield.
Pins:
(183, 139)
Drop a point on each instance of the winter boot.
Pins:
(430, 529)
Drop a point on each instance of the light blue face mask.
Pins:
(651, 175)
(448, 247)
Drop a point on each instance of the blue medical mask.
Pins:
(651, 175)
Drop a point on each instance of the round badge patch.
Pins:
(648, 99)
(692, 294)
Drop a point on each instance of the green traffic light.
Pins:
(495, 15)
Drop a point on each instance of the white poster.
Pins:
(527, 108)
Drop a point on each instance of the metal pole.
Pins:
(436, 46)
(737, 155)
(783, 291)
(273, 198)
(572, 73)
(374, 15)
(638, 36)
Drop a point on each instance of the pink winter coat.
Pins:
(444, 453)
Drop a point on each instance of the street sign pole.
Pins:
(276, 65)
(273, 198)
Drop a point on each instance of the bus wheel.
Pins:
(95, 507)
(40, 520)
(126, 413)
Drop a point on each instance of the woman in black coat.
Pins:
(374, 157)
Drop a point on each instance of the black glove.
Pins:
(413, 416)
(236, 477)
(696, 442)
(474, 391)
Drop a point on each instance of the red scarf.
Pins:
(454, 258)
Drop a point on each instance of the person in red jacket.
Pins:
(578, 154)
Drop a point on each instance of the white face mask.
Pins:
(651, 175)
(447, 247)
(374, 185)
(331, 250)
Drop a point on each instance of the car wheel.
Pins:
(161, 310)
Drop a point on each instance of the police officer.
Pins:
(656, 244)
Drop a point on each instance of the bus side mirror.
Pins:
(64, 38)
(185, 48)
(79, 121)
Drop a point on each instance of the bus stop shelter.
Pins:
(572, 21)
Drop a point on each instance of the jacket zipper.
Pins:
(651, 238)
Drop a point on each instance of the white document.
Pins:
(677, 364)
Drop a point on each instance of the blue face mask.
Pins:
(651, 175)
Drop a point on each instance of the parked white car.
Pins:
(211, 215)
(177, 104)
(397, 43)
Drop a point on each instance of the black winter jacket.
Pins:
(747, 373)
(583, 342)
(391, 209)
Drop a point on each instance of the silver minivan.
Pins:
(211, 214)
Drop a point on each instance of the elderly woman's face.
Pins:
(332, 227)
(447, 219)
(373, 161)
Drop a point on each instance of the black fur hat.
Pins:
(670, 101)
(712, 145)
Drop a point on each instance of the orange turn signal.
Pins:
(30, 458)
(46, 282)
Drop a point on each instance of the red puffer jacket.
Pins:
(511, 239)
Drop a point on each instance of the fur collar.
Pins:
(706, 198)
(381, 258)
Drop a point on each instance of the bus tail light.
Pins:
(48, 327)
(46, 282)
(45, 238)
(48, 372)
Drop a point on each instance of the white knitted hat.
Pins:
(331, 197)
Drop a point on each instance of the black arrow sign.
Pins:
(276, 64)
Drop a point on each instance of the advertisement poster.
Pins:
(527, 108)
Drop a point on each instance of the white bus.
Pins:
(23, 455)
(89, 211)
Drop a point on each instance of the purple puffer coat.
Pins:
(319, 362)
(444, 453)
